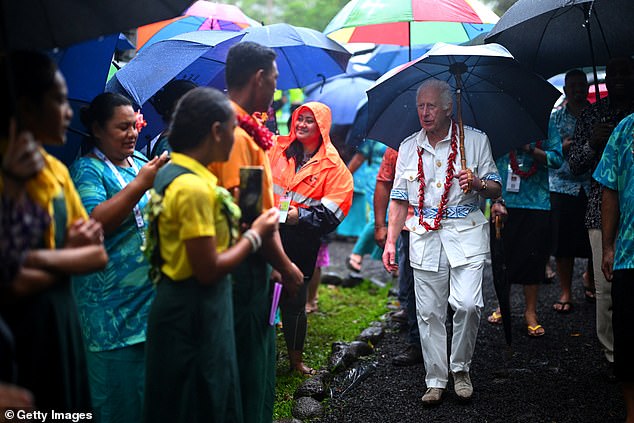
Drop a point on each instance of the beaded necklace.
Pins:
(516, 168)
(260, 133)
(442, 206)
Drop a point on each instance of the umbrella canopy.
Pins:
(85, 67)
(386, 57)
(29, 24)
(410, 22)
(123, 43)
(201, 16)
(342, 94)
(304, 56)
(357, 132)
(499, 96)
(552, 36)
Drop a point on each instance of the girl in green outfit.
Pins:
(191, 367)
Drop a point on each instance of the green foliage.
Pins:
(308, 13)
(343, 314)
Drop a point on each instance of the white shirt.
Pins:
(465, 234)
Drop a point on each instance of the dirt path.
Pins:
(561, 377)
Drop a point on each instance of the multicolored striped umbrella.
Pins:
(201, 16)
(410, 22)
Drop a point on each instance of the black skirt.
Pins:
(570, 236)
(526, 236)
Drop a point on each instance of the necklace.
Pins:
(442, 206)
(259, 132)
(516, 168)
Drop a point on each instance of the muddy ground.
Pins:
(560, 377)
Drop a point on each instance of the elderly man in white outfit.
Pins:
(449, 235)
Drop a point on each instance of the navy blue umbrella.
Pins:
(85, 67)
(499, 96)
(304, 56)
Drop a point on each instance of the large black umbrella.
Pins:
(497, 95)
(553, 36)
(40, 24)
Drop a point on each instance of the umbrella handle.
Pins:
(463, 158)
(498, 227)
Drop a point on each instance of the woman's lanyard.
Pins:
(138, 216)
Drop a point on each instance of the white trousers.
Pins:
(460, 287)
(603, 294)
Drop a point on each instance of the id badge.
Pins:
(284, 206)
(513, 182)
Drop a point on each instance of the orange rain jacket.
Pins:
(321, 190)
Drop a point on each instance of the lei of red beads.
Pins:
(442, 206)
(516, 168)
(259, 132)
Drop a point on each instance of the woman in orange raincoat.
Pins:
(309, 177)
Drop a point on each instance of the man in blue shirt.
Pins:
(615, 172)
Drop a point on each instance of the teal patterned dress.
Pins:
(114, 303)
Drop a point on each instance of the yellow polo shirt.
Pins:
(190, 210)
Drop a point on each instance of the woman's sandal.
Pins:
(495, 318)
(354, 264)
(535, 331)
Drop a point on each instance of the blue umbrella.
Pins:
(342, 95)
(304, 56)
(195, 56)
(123, 43)
(85, 67)
(385, 57)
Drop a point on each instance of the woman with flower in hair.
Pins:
(112, 180)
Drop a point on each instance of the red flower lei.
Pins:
(442, 206)
(259, 132)
(516, 168)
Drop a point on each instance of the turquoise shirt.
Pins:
(534, 192)
(616, 172)
(561, 126)
(373, 153)
(113, 304)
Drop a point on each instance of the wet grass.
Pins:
(342, 316)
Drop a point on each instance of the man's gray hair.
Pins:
(443, 88)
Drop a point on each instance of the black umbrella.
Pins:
(553, 36)
(40, 24)
(500, 281)
(497, 95)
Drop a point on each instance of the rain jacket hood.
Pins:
(321, 189)
(323, 117)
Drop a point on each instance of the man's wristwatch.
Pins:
(531, 148)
